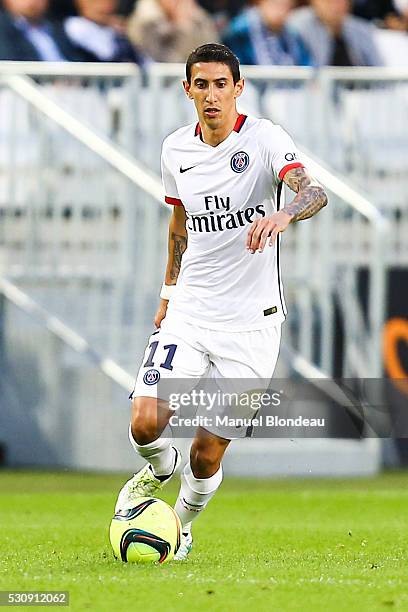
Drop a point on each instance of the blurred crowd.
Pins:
(266, 32)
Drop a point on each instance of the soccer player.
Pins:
(222, 302)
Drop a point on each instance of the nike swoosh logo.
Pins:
(185, 169)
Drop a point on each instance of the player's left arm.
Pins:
(310, 198)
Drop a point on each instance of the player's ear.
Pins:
(187, 86)
(239, 88)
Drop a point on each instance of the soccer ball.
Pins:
(148, 532)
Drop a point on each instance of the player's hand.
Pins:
(161, 312)
(268, 227)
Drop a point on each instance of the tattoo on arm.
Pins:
(310, 198)
(179, 246)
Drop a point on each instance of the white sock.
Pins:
(159, 453)
(194, 495)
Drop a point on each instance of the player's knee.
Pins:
(144, 423)
(205, 460)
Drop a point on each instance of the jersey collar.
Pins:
(237, 127)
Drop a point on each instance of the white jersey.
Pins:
(224, 189)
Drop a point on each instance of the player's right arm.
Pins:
(177, 244)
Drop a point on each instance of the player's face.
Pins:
(214, 93)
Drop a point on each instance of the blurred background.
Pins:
(88, 91)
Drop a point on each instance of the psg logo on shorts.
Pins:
(151, 377)
(240, 161)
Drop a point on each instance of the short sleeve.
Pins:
(277, 149)
(169, 184)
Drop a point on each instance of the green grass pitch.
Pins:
(260, 545)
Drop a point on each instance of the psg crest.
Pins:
(151, 377)
(240, 161)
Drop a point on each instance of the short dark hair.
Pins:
(213, 52)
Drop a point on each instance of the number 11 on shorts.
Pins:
(167, 365)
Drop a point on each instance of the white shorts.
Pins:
(182, 354)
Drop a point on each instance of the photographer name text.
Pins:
(260, 421)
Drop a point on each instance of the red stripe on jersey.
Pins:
(237, 127)
(286, 169)
(239, 122)
(174, 201)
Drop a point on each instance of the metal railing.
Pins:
(366, 115)
(61, 404)
(73, 222)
